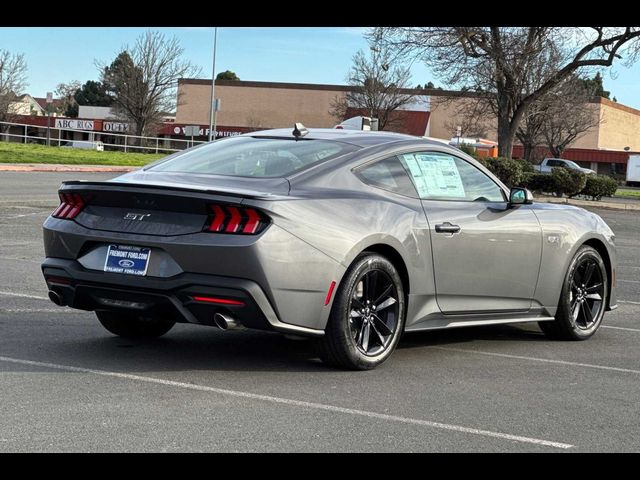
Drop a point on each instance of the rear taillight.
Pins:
(71, 204)
(238, 220)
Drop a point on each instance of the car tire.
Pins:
(359, 336)
(129, 325)
(583, 299)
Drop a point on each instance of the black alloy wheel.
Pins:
(583, 299)
(367, 316)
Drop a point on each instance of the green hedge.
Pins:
(598, 186)
(511, 172)
(568, 182)
(561, 181)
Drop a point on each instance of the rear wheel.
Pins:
(130, 325)
(583, 298)
(367, 318)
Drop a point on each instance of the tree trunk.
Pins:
(507, 129)
(506, 135)
(528, 149)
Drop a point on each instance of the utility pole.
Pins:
(49, 103)
(213, 87)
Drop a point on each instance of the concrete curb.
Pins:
(635, 206)
(45, 167)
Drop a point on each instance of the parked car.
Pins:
(350, 237)
(88, 145)
(549, 163)
(633, 171)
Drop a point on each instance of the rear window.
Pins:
(254, 157)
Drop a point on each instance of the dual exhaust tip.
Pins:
(221, 320)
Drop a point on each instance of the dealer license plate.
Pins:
(127, 259)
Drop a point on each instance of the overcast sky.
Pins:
(303, 55)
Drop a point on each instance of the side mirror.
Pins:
(520, 196)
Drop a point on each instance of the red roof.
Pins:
(42, 101)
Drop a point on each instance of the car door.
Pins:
(486, 254)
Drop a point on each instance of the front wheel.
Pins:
(583, 299)
(367, 318)
(130, 325)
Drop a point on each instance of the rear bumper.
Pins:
(96, 290)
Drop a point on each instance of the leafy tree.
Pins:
(429, 86)
(595, 86)
(93, 94)
(227, 75)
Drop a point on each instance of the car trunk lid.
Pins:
(163, 205)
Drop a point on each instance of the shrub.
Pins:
(510, 172)
(539, 182)
(567, 181)
(598, 186)
(468, 149)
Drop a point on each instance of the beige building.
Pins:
(257, 104)
(247, 106)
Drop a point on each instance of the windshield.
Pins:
(253, 157)
(573, 164)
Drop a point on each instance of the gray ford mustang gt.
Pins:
(352, 237)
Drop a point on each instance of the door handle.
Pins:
(447, 228)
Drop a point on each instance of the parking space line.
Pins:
(22, 295)
(628, 281)
(543, 360)
(41, 310)
(294, 403)
(628, 302)
(622, 328)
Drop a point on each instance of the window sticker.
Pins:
(441, 177)
(416, 173)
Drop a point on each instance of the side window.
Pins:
(440, 176)
(388, 174)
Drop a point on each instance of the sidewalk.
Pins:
(606, 202)
(52, 167)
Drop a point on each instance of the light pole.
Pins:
(212, 123)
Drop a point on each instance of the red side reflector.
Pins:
(220, 301)
(60, 280)
(330, 293)
(234, 223)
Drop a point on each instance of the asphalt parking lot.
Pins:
(68, 385)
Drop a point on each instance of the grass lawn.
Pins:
(20, 153)
(625, 192)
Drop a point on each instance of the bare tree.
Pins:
(253, 121)
(66, 92)
(378, 87)
(13, 81)
(143, 80)
(540, 67)
(569, 115)
(495, 60)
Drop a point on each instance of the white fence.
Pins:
(19, 132)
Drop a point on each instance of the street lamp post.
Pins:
(212, 113)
